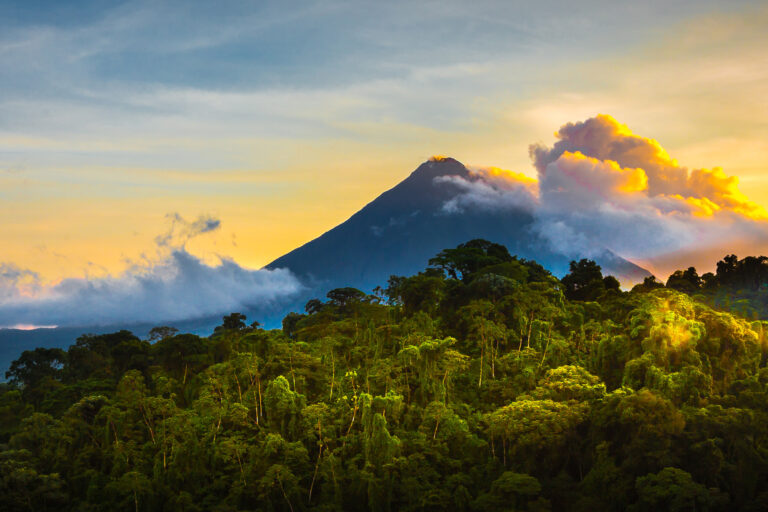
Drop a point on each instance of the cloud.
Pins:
(181, 230)
(491, 189)
(174, 286)
(605, 139)
(15, 281)
(602, 186)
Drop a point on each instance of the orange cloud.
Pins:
(647, 166)
(723, 190)
(505, 174)
(604, 138)
(701, 206)
(603, 176)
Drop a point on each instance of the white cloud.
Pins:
(491, 189)
(174, 286)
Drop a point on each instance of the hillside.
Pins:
(483, 383)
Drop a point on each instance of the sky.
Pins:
(121, 122)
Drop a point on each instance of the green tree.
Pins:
(585, 281)
(687, 281)
(467, 258)
(671, 489)
(35, 365)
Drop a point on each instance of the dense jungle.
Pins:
(483, 383)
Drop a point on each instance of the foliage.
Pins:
(482, 383)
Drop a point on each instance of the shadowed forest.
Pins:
(483, 383)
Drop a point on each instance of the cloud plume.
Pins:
(491, 189)
(604, 139)
(602, 186)
(173, 286)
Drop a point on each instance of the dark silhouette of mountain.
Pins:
(399, 231)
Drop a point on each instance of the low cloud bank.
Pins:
(175, 286)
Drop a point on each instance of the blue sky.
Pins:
(251, 45)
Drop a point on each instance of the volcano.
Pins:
(399, 231)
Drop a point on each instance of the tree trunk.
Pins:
(261, 407)
(530, 328)
(314, 475)
(549, 337)
(333, 374)
(285, 495)
(482, 358)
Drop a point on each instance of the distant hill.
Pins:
(15, 341)
(399, 231)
